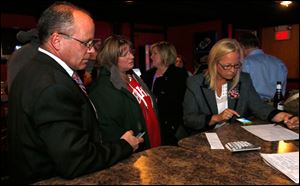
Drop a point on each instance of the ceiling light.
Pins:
(285, 3)
(129, 2)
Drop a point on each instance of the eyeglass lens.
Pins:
(229, 66)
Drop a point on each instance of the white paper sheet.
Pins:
(287, 163)
(214, 140)
(272, 132)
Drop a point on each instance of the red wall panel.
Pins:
(17, 21)
(143, 38)
(182, 38)
(103, 29)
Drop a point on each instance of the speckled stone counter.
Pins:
(193, 162)
(234, 132)
(161, 165)
(243, 167)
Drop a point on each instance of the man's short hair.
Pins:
(248, 40)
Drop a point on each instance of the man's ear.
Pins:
(56, 41)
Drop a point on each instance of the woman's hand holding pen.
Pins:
(288, 119)
(292, 121)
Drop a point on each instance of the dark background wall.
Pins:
(182, 36)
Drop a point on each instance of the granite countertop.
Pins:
(177, 165)
(234, 132)
(193, 162)
(161, 165)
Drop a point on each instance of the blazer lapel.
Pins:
(232, 103)
(210, 98)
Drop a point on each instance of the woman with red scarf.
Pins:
(121, 98)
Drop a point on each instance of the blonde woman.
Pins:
(167, 82)
(224, 92)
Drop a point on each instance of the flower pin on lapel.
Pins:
(234, 94)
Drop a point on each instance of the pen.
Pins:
(291, 116)
(283, 122)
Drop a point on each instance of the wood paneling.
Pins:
(286, 50)
(182, 37)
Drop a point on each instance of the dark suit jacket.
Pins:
(53, 130)
(200, 103)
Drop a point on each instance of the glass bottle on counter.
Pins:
(278, 97)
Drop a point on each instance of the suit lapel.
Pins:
(211, 100)
(44, 58)
(232, 103)
(209, 97)
(50, 61)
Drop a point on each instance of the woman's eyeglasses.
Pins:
(229, 66)
(89, 44)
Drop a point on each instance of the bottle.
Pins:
(278, 97)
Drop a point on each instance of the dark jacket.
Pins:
(53, 129)
(169, 90)
(118, 110)
(24, 55)
(200, 103)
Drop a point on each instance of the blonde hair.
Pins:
(220, 49)
(166, 51)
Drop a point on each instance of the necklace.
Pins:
(160, 71)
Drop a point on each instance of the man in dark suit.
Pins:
(53, 127)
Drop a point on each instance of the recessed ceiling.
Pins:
(176, 12)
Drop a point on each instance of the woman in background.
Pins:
(122, 100)
(180, 63)
(167, 82)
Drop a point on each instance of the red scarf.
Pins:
(150, 117)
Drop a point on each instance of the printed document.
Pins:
(214, 140)
(272, 132)
(287, 163)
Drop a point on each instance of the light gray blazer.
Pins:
(200, 103)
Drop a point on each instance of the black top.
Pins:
(169, 91)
